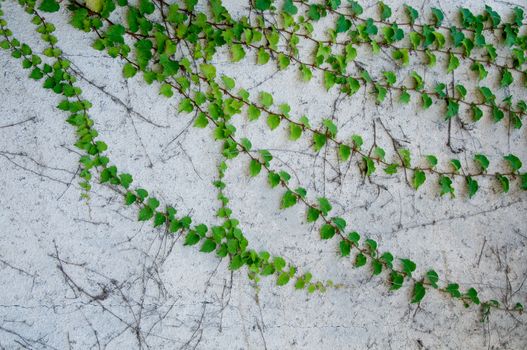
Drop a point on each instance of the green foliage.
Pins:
(49, 6)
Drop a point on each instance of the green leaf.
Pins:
(145, 213)
(351, 53)
(453, 289)
(379, 152)
(418, 292)
(433, 278)
(477, 113)
(295, 131)
(504, 182)
(360, 260)
(418, 179)
(357, 141)
(208, 70)
(273, 121)
(246, 143)
(397, 280)
(191, 239)
(482, 160)
(166, 90)
(36, 74)
(406, 157)
(523, 179)
(412, 13)
(263, 5)
(312, 214)
(142, 193)
(461, 90)
(266, 99)
(146, 7)
(345, 248)
(472, 186)
(129, 198)
(391, 169)
(472, 294)
(329, 80)
(126, 180)
(453, 63)
(432, 59)
(372, 246)
(208, 246)
(330, 126)
(228, 82)
(255, 167)
(49, 6)
(129, 70)
(343, 24)
(415, 39)
(426, 100)
(283, 61)
(386, 11)
(236, 262)
(390, 77)
(438, 16)
(324, 205)
(370, 165)
(289, 199)
(344, 152)
(306, 73)
(354, 237)
(404, 97)
(279, 263)
(497, 114)
(402, 55)
(289, 7)
(153, 203)
(319, 140)
(201, 121)
(327, 231)
(452, 109)
(408, 266)
(514, 162)
(387, 257)
(446, 185)
(456, 164)
(432, 160)
(253, 113)
(186, 105)
(283, 278)
(376, 267)
(339, 222)
(506, 78)
(380, 91)
(237, 52)
(262, 56)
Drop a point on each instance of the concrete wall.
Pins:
(149, 291)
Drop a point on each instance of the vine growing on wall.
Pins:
(172, 45)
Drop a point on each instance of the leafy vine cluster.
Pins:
(171, 45)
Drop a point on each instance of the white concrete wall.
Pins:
(179, 298)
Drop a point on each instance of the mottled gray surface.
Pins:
(144, 289)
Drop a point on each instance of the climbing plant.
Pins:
(172, 46)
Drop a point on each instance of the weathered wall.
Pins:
(180, 298)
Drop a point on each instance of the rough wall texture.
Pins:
(143, 289)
